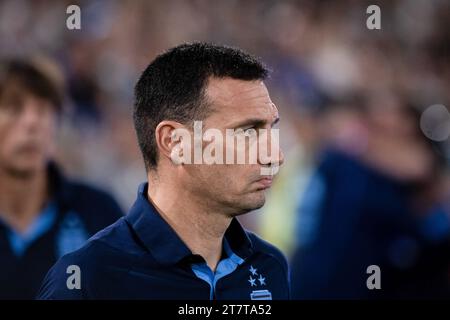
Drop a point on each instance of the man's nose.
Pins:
(280, 157)
(277, 159)
(30, 117)
(273, 155)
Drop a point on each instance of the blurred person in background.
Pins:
(43, 215)
(379, 196)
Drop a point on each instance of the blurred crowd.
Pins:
(362, 183)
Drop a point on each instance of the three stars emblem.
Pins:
(252, 281)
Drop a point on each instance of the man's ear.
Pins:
(168, 140)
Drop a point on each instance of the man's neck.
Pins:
(22, 198)
(200, 229)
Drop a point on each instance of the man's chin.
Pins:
(254, 204)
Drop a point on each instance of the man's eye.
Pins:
(248, 131)
(10, 108)
(245, 131)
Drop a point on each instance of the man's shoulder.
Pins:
(109, 243)
(110, 250)
(78, 192)
(95, 208)
(262, 246)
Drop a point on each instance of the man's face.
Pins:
(27, 127)
(239, 188)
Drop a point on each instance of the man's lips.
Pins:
(265, 182)
(29, 148)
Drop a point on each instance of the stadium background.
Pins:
(322, 57)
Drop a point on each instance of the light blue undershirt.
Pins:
(19, 242)
(224, 268)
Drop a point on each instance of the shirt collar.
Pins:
(162, 241)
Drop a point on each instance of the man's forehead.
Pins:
(14, 88)
(240, 96)
(228, 90)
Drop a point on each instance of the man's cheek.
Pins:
(4, 129)
(49, 141)
(6, 145)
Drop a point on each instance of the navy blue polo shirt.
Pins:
(141, 257)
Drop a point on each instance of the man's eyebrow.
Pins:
(254, 122)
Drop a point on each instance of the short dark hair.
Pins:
(172, 87)
(34, 77)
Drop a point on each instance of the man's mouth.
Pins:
(27, 149)
(265, 182)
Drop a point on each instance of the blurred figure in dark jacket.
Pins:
(42, 214)
(379, 197)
